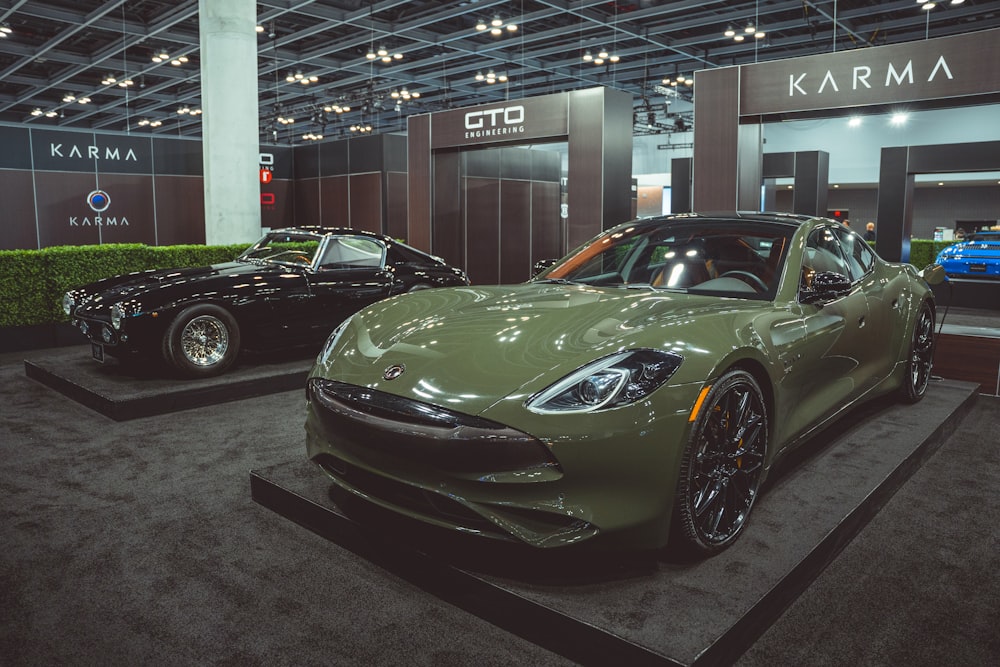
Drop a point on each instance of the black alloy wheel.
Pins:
(722, 467)
(920, 359)
(203, 340)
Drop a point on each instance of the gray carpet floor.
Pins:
(125, 543)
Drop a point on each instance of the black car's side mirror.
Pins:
(826, 286)
(541, 265)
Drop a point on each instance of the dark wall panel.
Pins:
(449, 230)
(16, 143)
(716, 134)
(335, 210)
(306, 161)
(180, 209)
(515, 229)
(280, 213)
(515, 163)
(307, 201)
(64, 217)
(177, 157)
(18, 230)
(546, 225)
(482, 163)
(61, 150)
(366, 201)
(395, 218)
(482, 219)
(333, 157)
(365, 154)
(420, 167)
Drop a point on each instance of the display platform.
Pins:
(124, 393)
(640, 609)
(968, 293)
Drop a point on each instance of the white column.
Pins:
(229, 121)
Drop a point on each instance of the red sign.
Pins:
(266, 176)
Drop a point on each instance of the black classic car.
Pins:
(290, 288)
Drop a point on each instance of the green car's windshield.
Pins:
(296, 249)
(732, 257)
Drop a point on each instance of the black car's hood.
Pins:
(159, 287)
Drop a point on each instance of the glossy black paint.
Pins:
(276, 305)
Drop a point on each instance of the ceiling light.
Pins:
(143, 122)
(586, 56)
(854, 121)
(598, 61)
(298, 75)
(371, 55)
(480, 25)
(738, 38)
(496, 32)
(479, 76)
(927, 6)
(126, 83)
(760, 34)
(898, 118)
(614, 58)
(954, 2)
(387, 58)
(750, 29)
(69, 97)
(502, 78)
(259, 28)
(496, 22)
(5, 30)
(108, 80)
(51, 113)
(394, 94)
(36, 112)
(382, 51)
(83, 100)
(184, 110)
(603, 53)
(511, 27)
(688, 81)
(730, 31)
(397, 56)
(195, 112)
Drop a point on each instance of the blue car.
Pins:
(978, 256)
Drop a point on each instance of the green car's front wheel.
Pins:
(921, 356)
(722, 465)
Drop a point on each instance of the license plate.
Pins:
(97, 351)
(977, 268)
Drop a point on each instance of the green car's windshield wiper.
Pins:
(558, 281)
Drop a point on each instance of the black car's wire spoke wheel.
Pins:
(921, 356)
(723, 465)
(202, 340)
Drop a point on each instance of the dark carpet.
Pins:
(137, 543)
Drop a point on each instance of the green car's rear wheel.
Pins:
(722, 466)
(921, 356)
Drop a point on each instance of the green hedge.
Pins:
(924, 252)
(32, 282)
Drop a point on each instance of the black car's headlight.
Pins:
(617, 380)
(117, 315)
(68, 303)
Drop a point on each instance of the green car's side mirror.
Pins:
(933, 274)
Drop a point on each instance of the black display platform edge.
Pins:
(571, 637)
(182, 396)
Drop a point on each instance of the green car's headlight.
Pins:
(68, 303)
(617, 380)
(331, 342)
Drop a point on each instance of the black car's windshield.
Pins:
(734, 258)
(282, 248)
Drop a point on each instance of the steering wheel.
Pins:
(297, 256)
(749, 278)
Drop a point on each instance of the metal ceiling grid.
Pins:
(61, 48)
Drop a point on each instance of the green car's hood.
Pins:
(467, 347)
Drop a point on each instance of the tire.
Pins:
(722, 467)
(920, 356)
(202, 341)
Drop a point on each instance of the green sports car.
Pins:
(636, 392)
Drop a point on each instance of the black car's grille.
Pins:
(424, 434)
